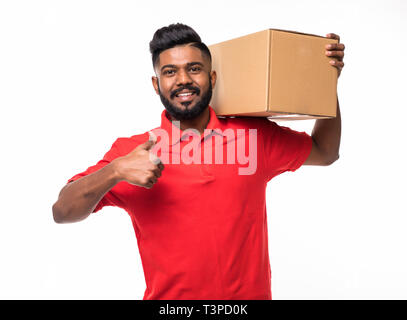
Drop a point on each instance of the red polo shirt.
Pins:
(202, 228)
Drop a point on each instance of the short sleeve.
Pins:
(110, 198)
(284, 149)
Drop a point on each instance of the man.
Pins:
(201, 226)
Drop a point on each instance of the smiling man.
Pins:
(201, 225)
(187, 97)
(184, 78)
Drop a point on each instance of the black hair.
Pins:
(174, 35)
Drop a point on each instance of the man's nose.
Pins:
(183, 78)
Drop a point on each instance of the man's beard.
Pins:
(186, 114)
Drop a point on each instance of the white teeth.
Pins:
(185, 94)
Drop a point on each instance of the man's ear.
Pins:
(213, 78)
(155, 84)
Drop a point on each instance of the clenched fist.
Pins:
(140, 167)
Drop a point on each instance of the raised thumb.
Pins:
(151, 141)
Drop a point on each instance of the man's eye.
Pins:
(168, 72)
(195, 69)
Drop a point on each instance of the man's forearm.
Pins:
(79, 198)
(327, 135)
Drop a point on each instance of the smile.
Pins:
(185, 96)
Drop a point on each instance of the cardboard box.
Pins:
(274, 73)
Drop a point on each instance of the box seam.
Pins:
(269, 48)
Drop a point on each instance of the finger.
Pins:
(333, 36)
(147, 145)
(335, 46)
(153, 180)
(157, 173)
(335, 54)
(152, 136)
(150, 142)
(159, 168)
(337, 64)
(148, 185)
(154, 159)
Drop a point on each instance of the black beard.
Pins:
(187, 114)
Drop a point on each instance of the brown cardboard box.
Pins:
(274, 73)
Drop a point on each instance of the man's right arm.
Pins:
(78, 199)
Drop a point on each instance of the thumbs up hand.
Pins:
(140, 167)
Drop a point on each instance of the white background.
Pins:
(75, 75)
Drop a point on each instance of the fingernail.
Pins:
(332, 62)
(152, 137)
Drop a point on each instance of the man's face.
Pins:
(184, 81)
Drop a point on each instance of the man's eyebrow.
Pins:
(194, 63)
(189, 64)
(168, 66)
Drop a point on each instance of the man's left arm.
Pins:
(326, 134)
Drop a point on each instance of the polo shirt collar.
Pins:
(175, 134)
